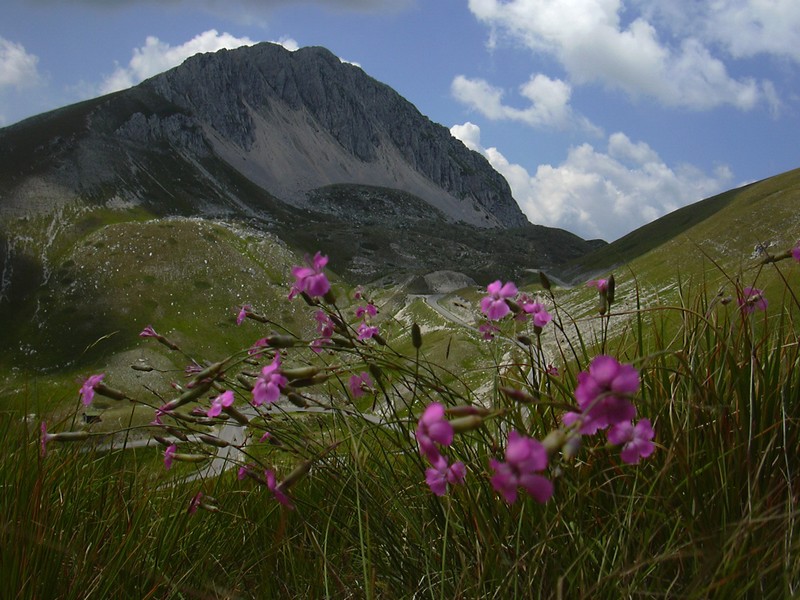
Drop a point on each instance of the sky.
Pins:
(602, 115)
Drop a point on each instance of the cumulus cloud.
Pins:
(593, 44)
(549, 102)
(157, 56)
(601, 193)
(18, 68)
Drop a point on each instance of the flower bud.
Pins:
(213, 440)
(375, 371)
(69, 436)
(379, 339)
(104, 390)
(297, 473)
(544, 281)
(300, 372)
(280, 341)
(297, 399)
(554, 441)
(329, 297)
(192, 458)
(246, 383)
(191, 394)
(461, 411)
(570, 448)
(518, 395)
(611, 289)
(525, 340)
(468, 423)
(416, 336)
(177, 433)
(236, 415)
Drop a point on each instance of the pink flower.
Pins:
(266, 437)
(603, 395)
(494, 305)
(310, 279)
(195, 503)
(366, 311)
(796, 251)
(255, 349)
(325, 324)
(148, 332)
(224, 400)
(242, 314)
(269, 384)
(635, 439)
(366, 331)
(359, 384)
(88, 387)
(552, 370)
(524, 457)
(168, 454)
(752, 299)
(279, 494)
(432, 429)
(488, 330)
(529, 307)
(440, 474)
(600, 284)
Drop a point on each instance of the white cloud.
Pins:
(157, 56)
(744, 28)
(591, 42)
(18, 68)
(601, 194)
(549, 102)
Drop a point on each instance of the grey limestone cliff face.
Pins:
(296, 121)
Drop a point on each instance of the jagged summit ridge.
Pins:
(295, 121)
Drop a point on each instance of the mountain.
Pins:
(295, 147)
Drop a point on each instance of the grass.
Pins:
(713, 513)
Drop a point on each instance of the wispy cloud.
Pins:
(601, 193)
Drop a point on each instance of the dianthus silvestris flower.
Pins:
(310, 279)
(525, 457)
(224, 400)
(603, 394)
(635, 440)
(494, 305)
(273, 486)
(358, 384)
(441, 473)
(168, 454)
(242, 314)
(148, 331)
(269, 384)
(600, 284)
(195, 503)
(796, 251)
(88, 387)
(365, 331)
(366, 311)
(488, 331)
(752, 299)
(432, 429)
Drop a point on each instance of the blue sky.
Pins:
(601, 114)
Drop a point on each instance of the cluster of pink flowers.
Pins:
(525, 457)
(502, 300)
(325, 329)
(434, 430)
(604, 396)
(365, 330)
